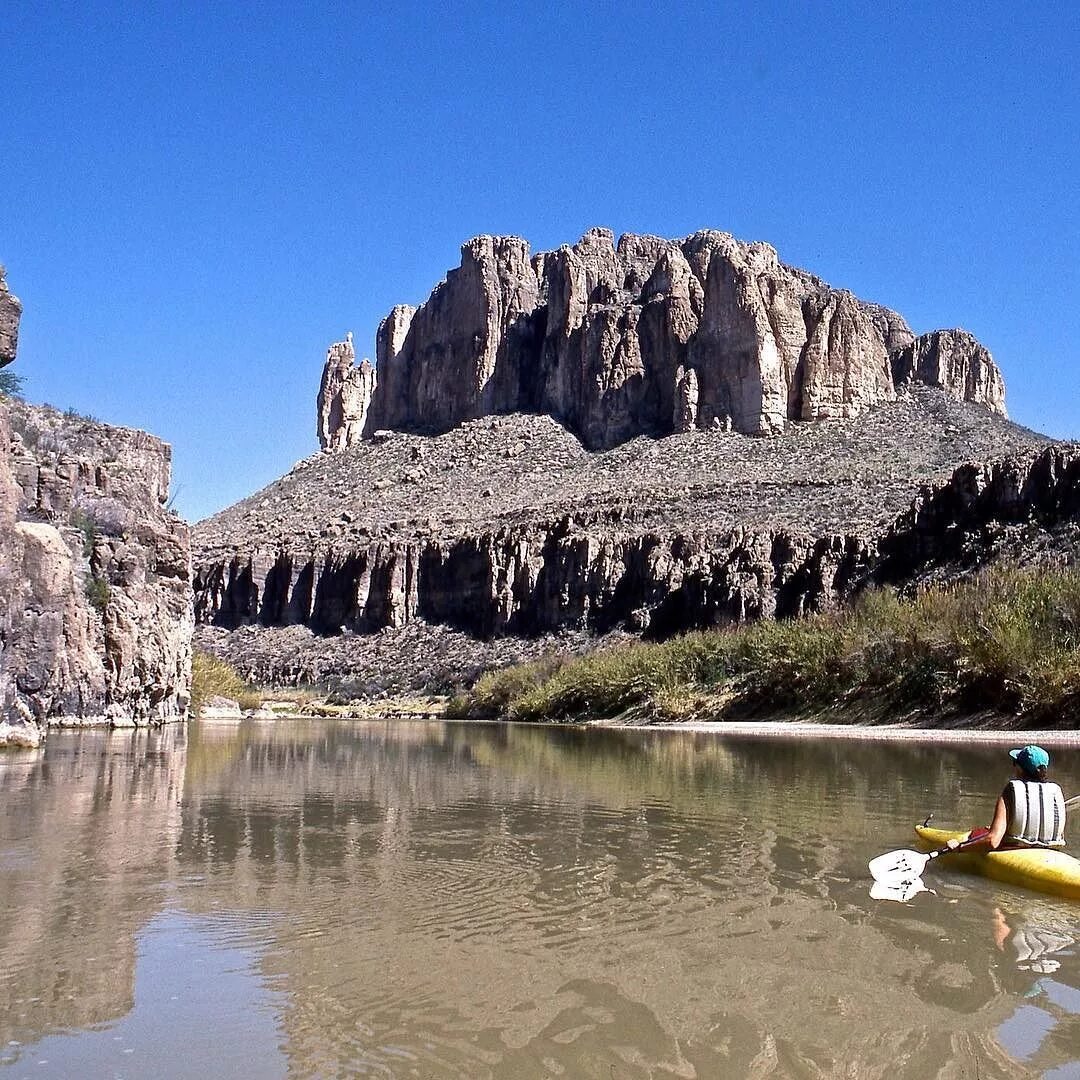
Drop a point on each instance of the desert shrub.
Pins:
(1006, 639)
(87, 527)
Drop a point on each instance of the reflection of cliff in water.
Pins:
(88, 841)
(510, 901)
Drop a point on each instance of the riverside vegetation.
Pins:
(1005, 641)
(212, 677)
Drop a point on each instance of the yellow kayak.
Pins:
(1047, 870)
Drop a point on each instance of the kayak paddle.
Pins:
(897, 868)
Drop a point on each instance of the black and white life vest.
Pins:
(1036, 813)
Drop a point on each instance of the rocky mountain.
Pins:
(644, 337)
(95, 573)
(611, 439)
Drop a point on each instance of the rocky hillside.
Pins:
(438, 556)
(498, 485)
(95, 573)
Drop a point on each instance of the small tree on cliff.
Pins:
(11, 385)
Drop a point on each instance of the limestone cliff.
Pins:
(95, 576)
(647, 336)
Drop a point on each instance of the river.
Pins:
(322, 899)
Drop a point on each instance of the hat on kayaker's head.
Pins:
(1030, 759)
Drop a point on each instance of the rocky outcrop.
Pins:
(574, 573)
(344, 397)
(1026, 509)
(955, 361)
(647, 336)
(10, 312)
(95, 577)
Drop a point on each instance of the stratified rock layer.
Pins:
(96, 575)
(646, 337)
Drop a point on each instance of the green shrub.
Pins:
(97, 592)
(88, 527)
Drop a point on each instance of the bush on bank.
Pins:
(1005, 640)
(211, 677)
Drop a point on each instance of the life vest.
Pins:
(1036, 813)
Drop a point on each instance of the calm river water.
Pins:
(308, 899)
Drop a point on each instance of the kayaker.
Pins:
(1030, 812)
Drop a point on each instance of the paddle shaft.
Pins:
(959, 847)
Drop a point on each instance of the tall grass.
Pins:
(211, 677)
(1006, 640)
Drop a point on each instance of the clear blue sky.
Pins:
(194, 203)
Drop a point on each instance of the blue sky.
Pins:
(197, 199)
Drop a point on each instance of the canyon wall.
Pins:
(574, 573)
(644, 337)
(95, 576)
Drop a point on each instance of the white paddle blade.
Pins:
(901, 893)
(897, 867)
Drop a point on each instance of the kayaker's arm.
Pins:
(1001, 820)
(994, 835)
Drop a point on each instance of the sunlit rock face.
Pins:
(643, 337)
(641, 436)
(95, 576)
(344, 397)
(955, 361)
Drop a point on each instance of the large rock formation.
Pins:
(95, 576)
(10, 311)
(648, 336)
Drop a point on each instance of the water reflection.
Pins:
(450, 900)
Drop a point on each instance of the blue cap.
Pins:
(1030, 758)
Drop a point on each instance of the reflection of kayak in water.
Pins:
(1047, 870)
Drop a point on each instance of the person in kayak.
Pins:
(1030, 812)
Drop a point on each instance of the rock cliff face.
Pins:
(955, 361)
(95, 576)
(648, 336)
